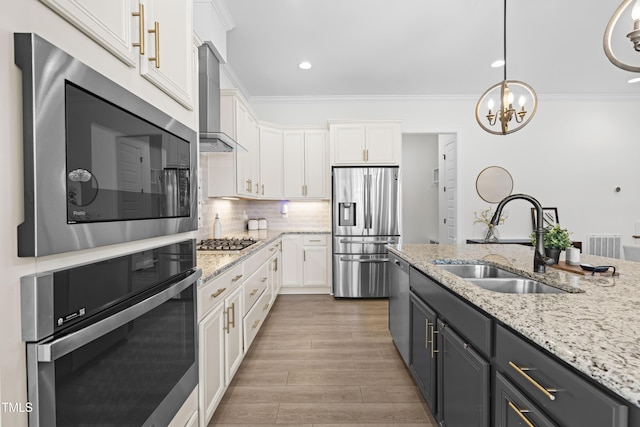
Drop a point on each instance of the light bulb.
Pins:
(521, 101)
(510, 98)
(490, 104)
(635, 11)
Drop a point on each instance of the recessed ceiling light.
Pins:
(634, 80)
(304, 65)
(498, 63)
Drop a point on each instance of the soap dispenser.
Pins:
(217, 227)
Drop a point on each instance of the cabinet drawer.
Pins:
(570, 400)
(466, 319)
(255, 318)
(314, 240)
(254, 287)
(215, 290)
(256, 260)
(512, 408)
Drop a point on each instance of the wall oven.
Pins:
(112, 342)
(101, 166)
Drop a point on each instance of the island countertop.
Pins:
(595, 327)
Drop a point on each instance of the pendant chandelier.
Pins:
(634, 35)
(505, 118)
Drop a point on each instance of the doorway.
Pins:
(429, 188)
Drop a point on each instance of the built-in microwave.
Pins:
(101, 165)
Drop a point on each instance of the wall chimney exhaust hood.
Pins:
(211, 138)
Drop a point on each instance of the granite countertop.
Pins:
(595, 327)
(214, 263)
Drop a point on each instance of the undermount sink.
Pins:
(498, 280)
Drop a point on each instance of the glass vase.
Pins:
(491, 234)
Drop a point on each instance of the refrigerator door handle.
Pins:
(368, 242)
(369, 220)
(364, 261)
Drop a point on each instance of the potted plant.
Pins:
(556, 239)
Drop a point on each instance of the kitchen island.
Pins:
(594, 327)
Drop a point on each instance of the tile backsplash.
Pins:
(303, 215)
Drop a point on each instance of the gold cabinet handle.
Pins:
(266, 306)
(257, 187)
(264, 279)
(253, 292)
(521, 413)
(231, 321)
(546, 391)
(263, 189)
(432, 340)
(156, 33)
(276, 266)
(304, 256)
(255, 324)
(238, 277)
(218, 292)
(140, 44)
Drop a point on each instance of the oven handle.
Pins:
(62, 346)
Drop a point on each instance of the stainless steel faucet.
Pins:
(540, 261)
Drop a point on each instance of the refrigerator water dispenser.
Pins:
(347, 214)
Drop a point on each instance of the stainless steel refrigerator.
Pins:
(364, 218)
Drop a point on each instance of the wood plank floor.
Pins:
(322, 362)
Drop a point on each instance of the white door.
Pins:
(449, 226)
(233, 344)
(270, 163)
(314, 269)
(134, 179)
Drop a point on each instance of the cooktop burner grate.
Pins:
(226, 244)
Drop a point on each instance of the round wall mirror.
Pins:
(494, 184)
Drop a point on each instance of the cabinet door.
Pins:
(253, 155)
(348, 143)
(211, 355)
(463, 382)
(169, 61)
(110, 23)
(382, 142)
(294, 163)
(423, 353)
(291, 261)
(271, 174)
(243, 163)
(233, 344)
(513, 409)
(316, 165)
(314, 265)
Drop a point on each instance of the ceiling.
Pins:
(422, 47)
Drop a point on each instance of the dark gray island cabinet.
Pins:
(472, 370)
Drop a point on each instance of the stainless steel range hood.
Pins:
(211, 138)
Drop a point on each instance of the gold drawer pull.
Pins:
(266, 306)
(264, 279)
(156, 32)
(255, 324)
(238, 277)
(546, 391)
(521, 413)
(140, 44)
(218, 292)
(253, 292)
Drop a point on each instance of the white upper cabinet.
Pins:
(271, 155)
(305, 164)
(169, 61)
(155, 36)
(372, 142)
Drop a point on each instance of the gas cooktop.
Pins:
(226, 244)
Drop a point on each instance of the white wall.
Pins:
(33, 16)
(571, 155)
(420, 211)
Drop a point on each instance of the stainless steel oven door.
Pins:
(133, 368)
(361, 276)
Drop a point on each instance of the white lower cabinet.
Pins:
(305, 263)
(211, 353)
(231, 309)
